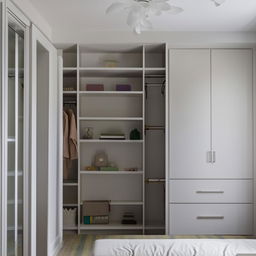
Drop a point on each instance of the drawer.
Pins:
(210, 219)
(210, 191)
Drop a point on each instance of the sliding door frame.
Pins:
(2, 184)
(11, 12)
(38, 37)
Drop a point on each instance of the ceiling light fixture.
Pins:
(140, 11)
(218, 2)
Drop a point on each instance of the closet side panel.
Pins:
(232, 112)
(189, 74)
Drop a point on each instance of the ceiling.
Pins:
(199, 15)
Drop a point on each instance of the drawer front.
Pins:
(207, 219)
(210, 191)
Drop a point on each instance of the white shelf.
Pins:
(129, 93)
(12, 173)
(69, 69)
(71, 184)
(111, 118)
(111, 141)
(155, 71)
(126, 203)
(110, 72)
(70, 205)
(116, 203)
(11, 139)
(111, 173)
(111, 226)
(121, 203)
(10, 202)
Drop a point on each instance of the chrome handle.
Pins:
(209, 157)
(210, 217)
(210, 192)
(214, 156)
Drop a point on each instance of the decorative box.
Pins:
(69, 217)
(95, 87)
(123, 87)
(96, 208)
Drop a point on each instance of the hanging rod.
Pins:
(155, 180)
(147, 127)
(155, 76)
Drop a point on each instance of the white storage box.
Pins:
(69, 217)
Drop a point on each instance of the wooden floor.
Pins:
(82, 245)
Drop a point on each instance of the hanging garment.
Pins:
(65, 135)
(66, 161)
(73, 154)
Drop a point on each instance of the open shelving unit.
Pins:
(112, 111)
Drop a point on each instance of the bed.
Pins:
(175, 247)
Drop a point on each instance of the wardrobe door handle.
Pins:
(210, 192)
(209, 157)
(214, 156)
(210, 217)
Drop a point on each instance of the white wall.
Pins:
(174, 39)
(35, 17)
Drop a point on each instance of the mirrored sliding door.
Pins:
(15, 137)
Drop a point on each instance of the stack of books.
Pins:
(129, 218)
(112, 137)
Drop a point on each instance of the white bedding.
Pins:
(175, 247)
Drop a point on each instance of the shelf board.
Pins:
(70, 205)
(110, 72)
(111, 172)
(111, 141)
(12, 173)
(111, 118)
(129, 93)
(11, 202)
(69, 68)
(155, 71)
(11, 139)
(111, 226)
(126, 203)
(70, 184)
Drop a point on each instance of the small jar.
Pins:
(88, 133)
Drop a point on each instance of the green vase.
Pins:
(135, 135)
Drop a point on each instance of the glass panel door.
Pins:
(15, 123)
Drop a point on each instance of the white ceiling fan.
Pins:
(140, 11)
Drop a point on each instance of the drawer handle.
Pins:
(210, 217)
(210, 192)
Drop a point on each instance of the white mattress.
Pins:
(174, 247)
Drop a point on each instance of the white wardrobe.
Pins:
(211, 142)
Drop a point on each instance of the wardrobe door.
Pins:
(190, 113)
(232, 113)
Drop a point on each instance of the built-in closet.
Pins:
(137, 184)
(211, 142)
